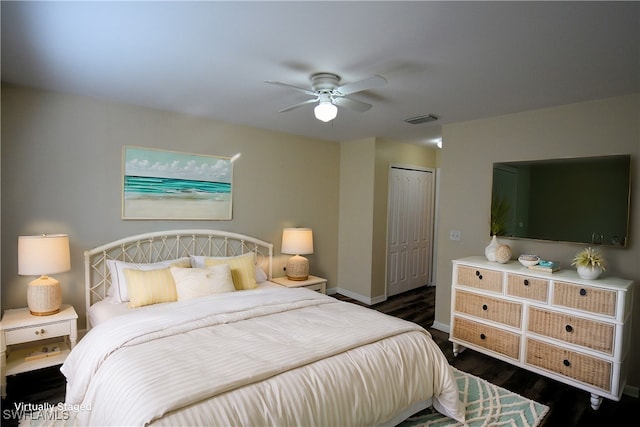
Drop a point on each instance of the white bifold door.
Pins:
(409, 228)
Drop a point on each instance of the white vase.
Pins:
(589, 272)
(490, 250)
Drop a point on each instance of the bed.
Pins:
(225, 346)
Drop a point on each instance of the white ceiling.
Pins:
(458, 60)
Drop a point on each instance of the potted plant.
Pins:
(499, 215)
(589, 263)
(498, 224)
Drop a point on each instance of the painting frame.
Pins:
(162, 184)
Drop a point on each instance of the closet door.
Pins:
(409, 228)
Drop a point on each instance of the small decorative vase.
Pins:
(589, 273)
(503, 254)
(490, 250)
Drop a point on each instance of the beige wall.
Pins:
(356, 218)
(364, 179)
(609, 126)
(61, 173)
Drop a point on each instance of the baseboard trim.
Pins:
(441, 327)
(363, 299)
(632, 391)
(376, 300)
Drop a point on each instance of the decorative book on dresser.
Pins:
(570, 329)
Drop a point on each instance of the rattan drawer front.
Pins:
(527, 287)
(495, 339)
(581, 367)
(572, 329)
(495, 309)
(480, 278)
(586, 298)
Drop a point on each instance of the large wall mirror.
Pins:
(579, 200)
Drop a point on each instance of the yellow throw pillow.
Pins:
(148, 287)
(243, 269)
(118, 289)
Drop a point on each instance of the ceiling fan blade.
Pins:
(370, 83)
(351, 104)
(307, 91)
(298, 105)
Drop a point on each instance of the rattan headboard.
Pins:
(166, 245)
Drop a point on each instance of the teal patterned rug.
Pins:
(486, 405)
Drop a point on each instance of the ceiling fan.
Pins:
(327, 92)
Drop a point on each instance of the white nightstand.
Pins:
(21, 327)
(314, 283)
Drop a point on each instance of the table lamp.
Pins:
(297, 241)
(42, 255)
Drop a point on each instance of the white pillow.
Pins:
(198, 261)
(118, 289)
(261, 276)
(199, 282)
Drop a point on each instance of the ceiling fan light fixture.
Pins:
(325, 111)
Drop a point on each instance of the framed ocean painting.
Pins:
(169, 185)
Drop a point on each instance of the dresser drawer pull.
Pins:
(40, 332)
(483, 337)
(583, 292)
(526, 282)
(484, 307)
(568, 328)
(566, 363)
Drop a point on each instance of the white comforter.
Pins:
(255, 358)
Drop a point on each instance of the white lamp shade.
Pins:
(297, 241)
(325, 111)
(43, 255)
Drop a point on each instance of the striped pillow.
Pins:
(118, 289)
(148, 287)
(243, 269)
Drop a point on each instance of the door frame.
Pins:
(434, 220)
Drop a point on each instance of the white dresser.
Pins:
(570, 329)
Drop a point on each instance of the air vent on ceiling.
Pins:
(422, 119)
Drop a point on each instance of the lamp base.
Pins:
(44, 296)
(298, 268)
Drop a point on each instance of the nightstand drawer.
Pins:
(38, 332)
(484, 307)
(494, 339)
(317, 287)
(572, 329)
(571, 364)
(313, 283)
(480, 278)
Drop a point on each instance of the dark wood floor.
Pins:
(568, 406)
